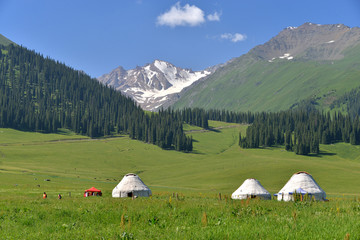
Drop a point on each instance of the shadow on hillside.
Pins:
(213, 130)
(197, 152)
(321, 154)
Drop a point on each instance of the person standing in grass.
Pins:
(44, 195)
(59, 196)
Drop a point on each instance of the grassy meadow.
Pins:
(192, 216)
(274, 86)
(186, 186)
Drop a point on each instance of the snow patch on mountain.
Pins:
(178, 83)
(285, 56)
(153, 84)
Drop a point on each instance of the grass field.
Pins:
(217, 164)
(74, 163)
(163, 217)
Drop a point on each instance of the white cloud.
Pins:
(182, 16)
(236, 37)
(214, 17)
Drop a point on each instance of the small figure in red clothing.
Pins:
(44, 195)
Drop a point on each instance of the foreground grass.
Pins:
(217, 165)
(164, 217)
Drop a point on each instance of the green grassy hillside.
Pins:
(217, 164)
(4, 40)
(257, 85)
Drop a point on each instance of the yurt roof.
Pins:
(302, 180)
(251, 186)
(302, 172)
(131, 182)
(130, 174)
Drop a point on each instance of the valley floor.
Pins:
(74, 163)
(218, 164)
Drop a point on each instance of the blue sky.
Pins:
(98, 36)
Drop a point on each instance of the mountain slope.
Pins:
(153, 84)
(4, 41)
(313, 61)
(40, 94)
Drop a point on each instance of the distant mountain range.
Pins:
(311, 62)
(154, 84)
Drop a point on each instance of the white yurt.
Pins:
(251, 188)
(131, 186)
(301, 183)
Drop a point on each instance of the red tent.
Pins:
(92, 192)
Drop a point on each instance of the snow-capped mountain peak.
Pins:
(153, 84)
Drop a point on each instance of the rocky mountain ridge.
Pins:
(239, 83)
(312, 61)
(153, 84)
(309, 42)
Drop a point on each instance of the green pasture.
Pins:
(186, 186)
(11, 136)
(73, 163)
(190, 216)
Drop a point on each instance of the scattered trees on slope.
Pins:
(350, 101)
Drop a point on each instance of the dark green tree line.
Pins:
(301, 131)
(40, 94)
